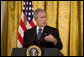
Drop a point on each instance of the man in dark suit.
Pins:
(42, 35)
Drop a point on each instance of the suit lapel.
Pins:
(44, 33)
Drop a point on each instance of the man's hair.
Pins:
(37, 11)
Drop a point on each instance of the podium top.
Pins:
(45, 52)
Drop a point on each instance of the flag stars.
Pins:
(29, 13)
(30, 3)
(24, 3)
(29, 8)
(28, 18)
(32, 13)
(27, 3)
(23, 8)
(26, 13)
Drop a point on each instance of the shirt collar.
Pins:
(39, 27)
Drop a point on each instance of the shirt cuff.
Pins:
(55, 43)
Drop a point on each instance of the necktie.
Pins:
(39, 33)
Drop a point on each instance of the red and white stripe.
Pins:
(23, 28)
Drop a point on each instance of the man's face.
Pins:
(41, 21)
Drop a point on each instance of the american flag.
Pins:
(27, 21)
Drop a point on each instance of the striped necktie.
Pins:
(39, 33)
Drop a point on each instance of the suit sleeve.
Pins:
(25, 40)
(59, 43)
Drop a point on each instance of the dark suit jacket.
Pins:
(30, 38)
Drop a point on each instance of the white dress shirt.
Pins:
(37, 27)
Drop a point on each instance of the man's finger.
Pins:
(46, 38)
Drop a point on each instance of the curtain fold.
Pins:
(63, 24)
(67, 16)
(14, 16)
(76, 27)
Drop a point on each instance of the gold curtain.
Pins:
(63, 24)
(14, 16)
(76, 28)
(67, 16)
